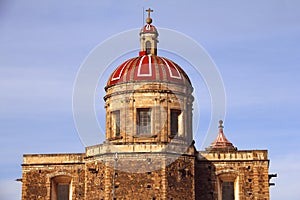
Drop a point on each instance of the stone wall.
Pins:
(140, 176)
(95, 180)
(247, 169)
(180, 179)
(39, 170)
(156, 177)
(148, 175)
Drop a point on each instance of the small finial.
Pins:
(149, 20)
(221, 124)
(116, 157)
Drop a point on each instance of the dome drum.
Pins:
(154, 100)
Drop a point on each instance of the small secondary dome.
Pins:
(221, 143)
(148, 28)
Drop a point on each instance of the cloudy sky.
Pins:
(254, 44)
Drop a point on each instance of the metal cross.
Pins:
(149, 11)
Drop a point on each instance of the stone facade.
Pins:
(196, 175)
(248, 170)
(149, 150)
(40, 171)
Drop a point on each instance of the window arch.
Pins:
(61, 188)
(228, 185)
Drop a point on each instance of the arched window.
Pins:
(61, 188)
(148, 47)
(228, 185)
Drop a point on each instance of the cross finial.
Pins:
(149, 11)
(149, 20)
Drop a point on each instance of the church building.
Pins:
(149, 150)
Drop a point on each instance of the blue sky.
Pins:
(255, 44)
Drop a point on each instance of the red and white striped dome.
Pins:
(148, 68)
(148, 28)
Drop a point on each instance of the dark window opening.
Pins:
(116, 123)
(227, 191)
(144, 121)
(62, 191)
(174, 122)
(60, 188)
(148, 47)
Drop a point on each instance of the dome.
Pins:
(149, 98)
(148, 67)
(148, 28)
(151, 68)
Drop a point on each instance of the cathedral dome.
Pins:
(151, 68)
(149, 98)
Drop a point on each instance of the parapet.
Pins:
(243, 155)
(36, 159)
